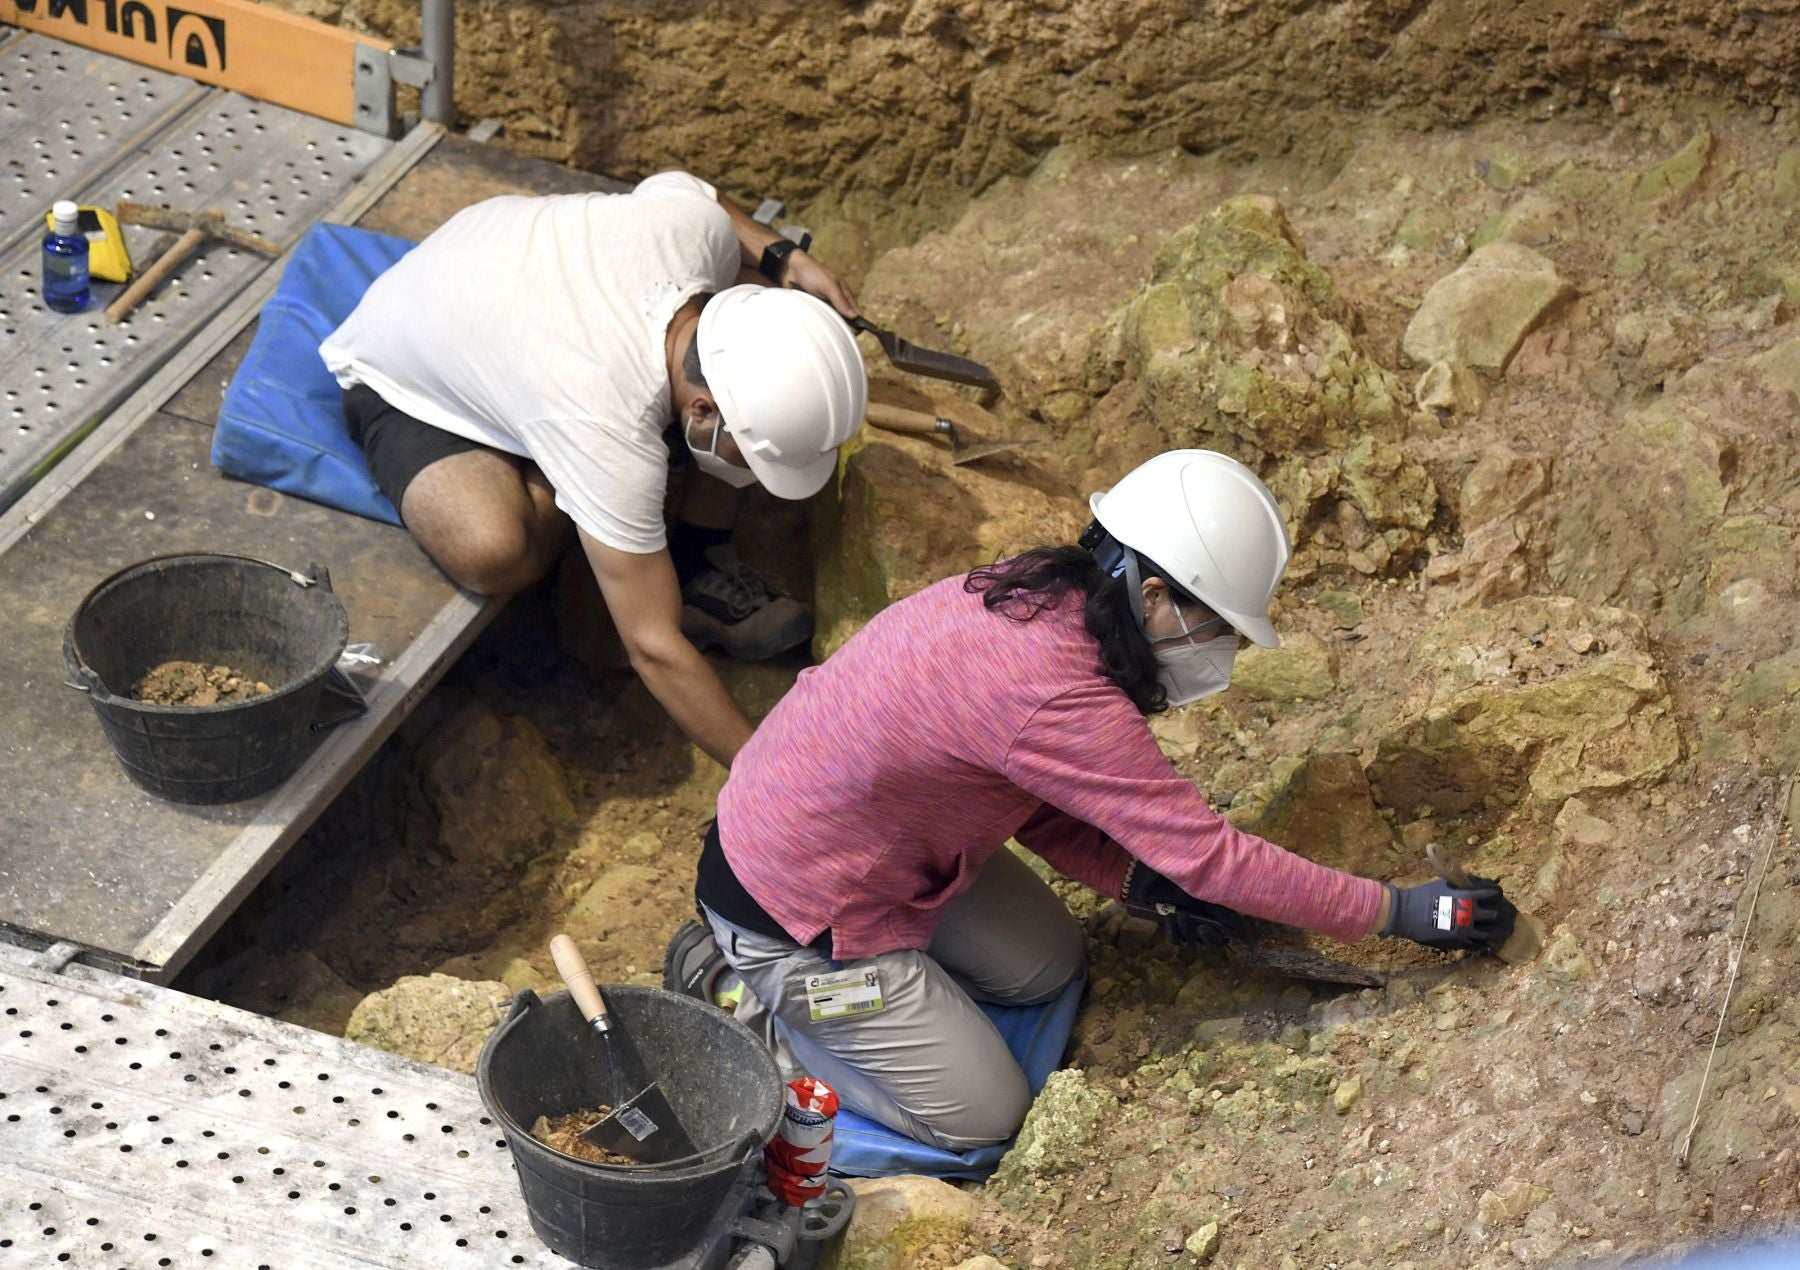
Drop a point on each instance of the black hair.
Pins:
(690, 360)
(690, 365)
(1025, 585)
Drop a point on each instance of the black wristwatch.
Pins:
(774, 259)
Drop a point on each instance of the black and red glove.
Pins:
(1184, 919)
(1447, 917)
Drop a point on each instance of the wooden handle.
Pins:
(576, 976)
(899, 419)
(165, 265)
(1454, 874)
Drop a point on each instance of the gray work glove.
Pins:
(1447, 917)
(1184, 919)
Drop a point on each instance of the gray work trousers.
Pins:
(929, 1064)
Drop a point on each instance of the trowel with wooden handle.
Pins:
(963, 449)
(1528, 932)
(643, 1127)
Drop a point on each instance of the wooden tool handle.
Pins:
(169, 261)
(1454, 874)
(576, 976)
(899, 419)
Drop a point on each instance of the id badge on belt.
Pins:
(840, 992)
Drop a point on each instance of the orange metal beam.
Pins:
(260, 52)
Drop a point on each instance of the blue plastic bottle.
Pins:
(66, 261)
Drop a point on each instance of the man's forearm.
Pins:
(751, 235)
(690, 690)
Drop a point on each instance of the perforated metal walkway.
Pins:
(82, 125)
(140, 1126)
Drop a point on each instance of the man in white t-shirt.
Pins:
(512, 379)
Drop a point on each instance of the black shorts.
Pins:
(399, 446)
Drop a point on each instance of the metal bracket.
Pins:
(377, 71)
(765, 214)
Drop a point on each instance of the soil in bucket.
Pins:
(721, 1080)
(563, 1133)
(193, 683)
(267, 625)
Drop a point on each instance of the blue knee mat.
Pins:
(1036, 1035)
(282, 421)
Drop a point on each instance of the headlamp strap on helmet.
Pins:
(1134, 600)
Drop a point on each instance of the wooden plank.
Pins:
(278, 824)
(260, 52)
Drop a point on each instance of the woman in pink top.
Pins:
(856, 879)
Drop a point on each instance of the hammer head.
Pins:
(210, 222)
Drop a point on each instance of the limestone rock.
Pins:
(1478, 314)
(1327, 813)
(906, 518)
(1203, 1244)
(1450, 388)
(1633, 523)
(903, 1222)
(1511, 1201)
(1347, 1094)
(983, 1262)
(1676, 175)
(1758, 720)
(1500, 548)
(1503, 707)
(618, 888)
(1576, 824)
(1240, 344)
(1304, 668)
(1502, 482)
(1388, 488)
(1059, 1130)
(432, 1018)
(1537, 218)
(499, 792)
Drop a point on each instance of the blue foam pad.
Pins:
(1036, 1035)
(282, 421)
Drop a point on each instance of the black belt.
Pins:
(717, 887)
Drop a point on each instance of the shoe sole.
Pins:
(706, 633)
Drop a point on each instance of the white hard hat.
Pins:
(789, 380)
(1211, 526)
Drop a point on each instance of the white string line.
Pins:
(1737, 961)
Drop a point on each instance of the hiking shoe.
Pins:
(695, 967)
(730, 607)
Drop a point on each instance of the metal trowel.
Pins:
(643, 1127)
(909, 357)
(1528, 932)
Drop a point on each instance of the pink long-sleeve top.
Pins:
(878, 787)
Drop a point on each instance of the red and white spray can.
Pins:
(800, 1152)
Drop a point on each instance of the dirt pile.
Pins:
(192, 683)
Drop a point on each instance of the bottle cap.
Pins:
(66, 215)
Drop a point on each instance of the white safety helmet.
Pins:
(789, 380)
(1211, 527)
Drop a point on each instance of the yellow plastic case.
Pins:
(107, 258)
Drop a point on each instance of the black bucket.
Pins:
(722, 1082)
(284, 628)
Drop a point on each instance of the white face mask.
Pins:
(708, 460)
(1188, 671)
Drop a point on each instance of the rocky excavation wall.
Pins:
(889, 107)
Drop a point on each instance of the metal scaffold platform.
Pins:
(105, 436)
(145, 1127)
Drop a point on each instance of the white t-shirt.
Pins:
(536, 326)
